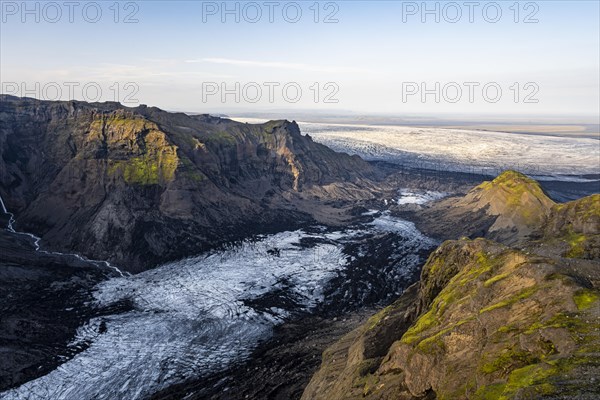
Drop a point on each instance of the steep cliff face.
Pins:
(486, 321)
(141, 186)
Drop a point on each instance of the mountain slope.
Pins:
(141, 186)
(572, 229)
(517, 201)
(486, 321)
(45, 297)
(507, 209)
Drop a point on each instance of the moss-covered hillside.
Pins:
(517, 202)
(486, 321)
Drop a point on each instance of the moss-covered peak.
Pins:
(515, 183)
(514, 177)
(492, 322)
(517, 201)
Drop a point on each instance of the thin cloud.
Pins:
(279, 65)
(109, 72)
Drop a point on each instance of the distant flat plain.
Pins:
(581, 131)
(562, 126)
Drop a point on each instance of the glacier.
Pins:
(489, 153)
(463, 150)
(194, 317)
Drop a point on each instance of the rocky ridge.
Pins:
(507, 209)
(140, 186)
(488, 320)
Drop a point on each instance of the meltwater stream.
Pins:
(36, 243)
(195, 317)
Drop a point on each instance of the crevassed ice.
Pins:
(190, 317)
(388, 223)
(461, 149)
(408, 196)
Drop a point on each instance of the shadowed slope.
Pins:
(142, 186)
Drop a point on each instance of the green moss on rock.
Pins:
(585, 298)
(523, 294)
(495, 279)
(507, 360)
(146, 169)
(222, 137)
(490, 392)
(515, 185)
(576, 242)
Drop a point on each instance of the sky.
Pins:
(391, 57)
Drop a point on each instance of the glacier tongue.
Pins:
(463, 150)
(194, 317)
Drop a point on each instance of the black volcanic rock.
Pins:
(44, 298)
(140, 186)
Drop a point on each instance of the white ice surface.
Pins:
(190, 319)
(548, 157)
(408, 196)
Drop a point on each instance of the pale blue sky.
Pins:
(370, 54)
